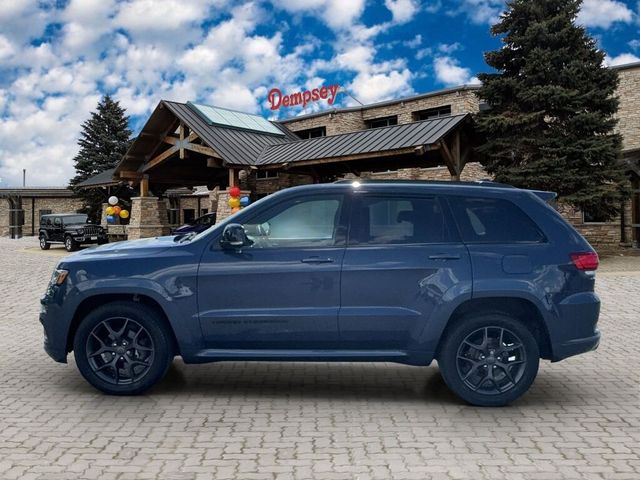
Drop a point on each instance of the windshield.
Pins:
(74, 219)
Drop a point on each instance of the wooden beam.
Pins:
(160, 158)
(130, 175)
(181, 134)
(233, 177)
(194, 147)
(144, 186)
(449, 160)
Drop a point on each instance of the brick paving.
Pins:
(581, 419)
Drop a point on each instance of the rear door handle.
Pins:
(444, 256)
(317, 260)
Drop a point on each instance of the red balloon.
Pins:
(234, 192)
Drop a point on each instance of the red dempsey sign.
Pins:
(277, 99)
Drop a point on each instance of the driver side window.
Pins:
(303, 222)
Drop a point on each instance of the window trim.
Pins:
(341, 226)
(543, 241)
(451, 232)
(268, 176)
(387, 117)
(416, 114)
(586, 222)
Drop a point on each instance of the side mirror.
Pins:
(234, 237)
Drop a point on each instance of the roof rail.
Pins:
(484, 183)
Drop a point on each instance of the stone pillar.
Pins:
(4, 217)
(213, 200)
(148, 218)
(224, 210)
(103, 215)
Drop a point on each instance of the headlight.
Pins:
(80, 231)
(58, 277)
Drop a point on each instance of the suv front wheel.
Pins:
(44, 245)
(489, 360)
(122, 348)
(70, 245)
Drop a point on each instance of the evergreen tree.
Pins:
(104, 139)
(552, 102)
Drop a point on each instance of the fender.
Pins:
(179, 307)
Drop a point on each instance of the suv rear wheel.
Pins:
(122, 348)
(44, 245)
(70, 244)
(489, 359)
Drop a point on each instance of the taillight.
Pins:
(585, 260)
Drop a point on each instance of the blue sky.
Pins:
(57, 57)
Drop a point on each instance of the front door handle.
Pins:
(444, 256)
(317, 260)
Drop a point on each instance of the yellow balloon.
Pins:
(234, 202)
(124, 213)
(109, 210)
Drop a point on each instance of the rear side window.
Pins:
(381, 220)
(491, 220)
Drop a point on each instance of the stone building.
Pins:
(35, 202)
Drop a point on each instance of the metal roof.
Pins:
(46, 192)
(235, 146)
(426, 132)
(100, 180)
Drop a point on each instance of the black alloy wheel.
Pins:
(489, 359)
(120, 351)
(123, 348)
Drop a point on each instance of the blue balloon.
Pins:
(111, 219)
(244, 201)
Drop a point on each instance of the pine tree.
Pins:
(104, 139)
(552, 102)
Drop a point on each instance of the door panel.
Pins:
(398, 266)
(284, 291)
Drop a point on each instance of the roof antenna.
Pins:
(346, 92)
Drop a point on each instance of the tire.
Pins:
(44, 245)
(489, 375)
(123, 348)
(70, 245)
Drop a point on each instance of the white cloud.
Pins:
(402, 10)
(604, 13)
(338, 14)
(482, 11)
(449, 72)
(621, 59)
(373, 87)
(414, 42)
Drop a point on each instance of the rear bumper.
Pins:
(575, 347)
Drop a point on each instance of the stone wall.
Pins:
(336, 122)
(628, 111)
(55, 204)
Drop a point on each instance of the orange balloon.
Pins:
(116, 210)
(235, 209)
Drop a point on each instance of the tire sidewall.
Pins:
(148, 319)
(447, 358)
(44, 245)
(69, 244)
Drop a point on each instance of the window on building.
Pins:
(45, 211)
(382, 122)
(429, 113)
(265, 174)
(489, 220)
(189, 215)
(389, 220)
(204, 211)
(312, 133)
(593, 217)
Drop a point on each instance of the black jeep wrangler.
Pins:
(71, 229)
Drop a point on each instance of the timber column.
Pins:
(148, 218)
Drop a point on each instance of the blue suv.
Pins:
(484, 278)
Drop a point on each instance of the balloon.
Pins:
(113, 200)
(234, 202)
(235, 209)
(109, 210)
(234, 192)
(111, 219)
(116, 210)
(124, 213)
(244, 201)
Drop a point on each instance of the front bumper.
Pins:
(55, 339)
(90, 238)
